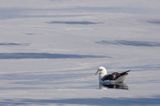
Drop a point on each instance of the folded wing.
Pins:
(115, 76)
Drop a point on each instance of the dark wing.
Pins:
(121, 74)
(114, 75)
(108, 77)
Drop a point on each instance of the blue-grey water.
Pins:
(50, 50)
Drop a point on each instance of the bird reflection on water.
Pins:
(114, 86)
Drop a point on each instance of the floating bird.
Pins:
(113, 78)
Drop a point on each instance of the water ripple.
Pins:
(74, 22)
(130, 43)
(46, 56)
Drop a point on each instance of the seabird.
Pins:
(113, 78)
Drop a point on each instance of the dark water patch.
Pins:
(130, 43)
(154, 81)
(84, 101)
(8, 13)
(74, 22)
(154, 21)
(13, 12)
(46, 56)
(40, 77)
(146, 67)
(14, 44)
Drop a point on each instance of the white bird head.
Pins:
(101, 71)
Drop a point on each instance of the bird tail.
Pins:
(125, 72)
